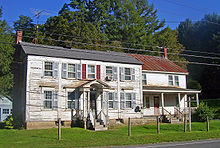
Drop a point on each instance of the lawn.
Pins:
(78, 137)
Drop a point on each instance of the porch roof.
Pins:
(82, 83)
(167, 89)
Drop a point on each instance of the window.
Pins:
(71, 70)
(144, 79)
(11, 111)
(109, 71)
(5, 111)
(127, 74)
(176, 78)
(110, 100)
(171, 80)
(50, 99)
(48, 69)
(146, 102)
(71, 101)
(91, 71)
(128, 100)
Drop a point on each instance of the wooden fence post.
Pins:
(158, 124)
(59, 128)
(190, 119)
(129, 126)
(185, 124)
(207, 124)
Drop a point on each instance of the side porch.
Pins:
(169, 102)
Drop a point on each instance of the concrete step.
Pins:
(101, 129)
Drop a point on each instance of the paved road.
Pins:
(192, 144)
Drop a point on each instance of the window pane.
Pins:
(127, 71)
(109, 70)
(110, 96)
(47, 104)
(128, 96)
(110, 104)
(91, 69)
(47, 99)
(71, 67)
(91, 76)
(71, 75)
(170, 78)
(128, 104)
(48, 66)
(5, 111)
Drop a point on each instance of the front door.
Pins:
(93, 103)
(156, 105)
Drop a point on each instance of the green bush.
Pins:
(9, 122)
(203, 111)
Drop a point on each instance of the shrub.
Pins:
(9, 122)
(203, 111)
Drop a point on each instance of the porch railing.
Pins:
(92, 119)
(180, 114)
(103, 117)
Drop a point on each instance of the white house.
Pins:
(92, 88)
(5, 107)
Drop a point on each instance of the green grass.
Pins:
(78, 137)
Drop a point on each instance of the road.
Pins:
(191, 144)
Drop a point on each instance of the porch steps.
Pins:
(99, 126)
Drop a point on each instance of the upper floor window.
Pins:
(91, 71)
(71, 71)
(50, 99)
(127, 73)
(51, 69)
(173, 80)
(71, 101)
(5, 111)
(176, 80)
(48, 70)
(111, 73)
(144, 79)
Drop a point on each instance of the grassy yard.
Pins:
(78, 137)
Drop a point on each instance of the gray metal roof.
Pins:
(82, 54)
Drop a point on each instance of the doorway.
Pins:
(156, 105)
(93, 102)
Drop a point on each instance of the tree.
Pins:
(169, 38)
(25, 24)
(203, 36)
(6, 58)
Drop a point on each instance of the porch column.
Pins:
(162, 102)
(179, 99)
(197, 99)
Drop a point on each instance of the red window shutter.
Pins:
(83, 71)
(98, 75)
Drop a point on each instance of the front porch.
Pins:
(168, 101)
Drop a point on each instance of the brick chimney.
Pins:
(19, 36)
(165, 52)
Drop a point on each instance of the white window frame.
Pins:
(146, 104)
(50, 70)
(72, 101)
(130, 75)
(5, 111)
(144, 81)
(43, 98)
(128, 100)
(91, 73)
(176, 81)
(74, 72)
(108, 74)
(170, 80)
(110, 101)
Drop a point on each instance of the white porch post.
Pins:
(179, 98)
(197, 99)
(162, 102)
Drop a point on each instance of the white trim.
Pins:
(166, 72)
(173, 91)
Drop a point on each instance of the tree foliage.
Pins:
(6, 58)
(203, 36)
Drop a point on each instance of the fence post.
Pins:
(129, 126)
(59, 128)
(207, 124)
(190, 119)
(158, 124)
(185, 124)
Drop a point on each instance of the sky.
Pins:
(173, 11)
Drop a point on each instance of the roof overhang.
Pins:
(167, 72)
(170, 90)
